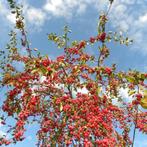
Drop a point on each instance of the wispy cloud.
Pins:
(68, 8)
(34, 17)
(124, 94)
(143, 19)
(2, 133)
(125, 15)
(131, 17)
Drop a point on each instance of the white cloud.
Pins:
(2, 133)
(124, 93)
(79, 90)
(60, 8)
(4, 12)
(52, 5)
(2, 8)
(35, 16)
(82, 8)
(83, 90)
(131, 17)
(68, 8)
(42, 79)
(125, 15)
(11, 18)
(143, 19)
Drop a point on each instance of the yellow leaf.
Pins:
(36, 70)
(99, 90)
(143, 102)
(7, 78)
(131, 92)
(61, 107)
(145, 93)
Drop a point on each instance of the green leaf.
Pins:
(43, 70)
(141, 76)
(131, 79)
(131, 92)
(143, 102)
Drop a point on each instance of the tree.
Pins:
(50, 92)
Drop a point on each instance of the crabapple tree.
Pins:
(71, 97)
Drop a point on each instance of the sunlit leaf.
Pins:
(143, 102)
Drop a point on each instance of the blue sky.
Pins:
(46, 16)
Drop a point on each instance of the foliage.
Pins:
(71, 97)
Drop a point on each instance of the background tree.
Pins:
(71, 97)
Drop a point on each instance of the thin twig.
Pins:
(109, 8)
(134, 132)
(136, 119)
